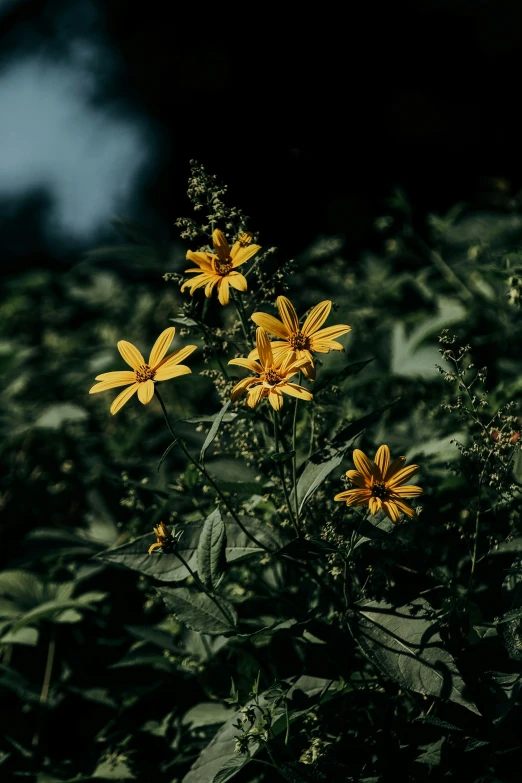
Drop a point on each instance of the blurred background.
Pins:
(320, 127)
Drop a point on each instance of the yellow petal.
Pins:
(154, 546)
(210, 286)
(244, 254)
(296, 391)
(308, 371)
(405, 508)
(330, 333)
(394, 467)
(264, 349)
(125, 376)
(317, 317)
(325, 346)
(363, 464)
(401, 476)
(202, 259)
(241, 387)
(165, 373)
(391, 510)
(288, 314)
(354, 497)
(275, 399)
(236, 280)
(223, 291)
(175, 358)
(249, 364)
(270, 324)
(123, 397)
(105, 385)
(199, 281)
(161, 346)
(356, 478)
(374, 505)
(408, 491)
(382, 460)
(255, 395)
(146, 392)
(130, 354)
(221, 245)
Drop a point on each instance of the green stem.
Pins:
(44, 694)
(294, 460)
(282, 472)
(202, 587)
(242, 318)
(207, 475)
(312, 425)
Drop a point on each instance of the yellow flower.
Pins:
(218, 268)
(380, 484)
(163, 537)
(144, 375)
(301, 342)
(273, 376)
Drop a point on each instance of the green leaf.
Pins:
(221, 750)
(231, 767)
(321, 464)
(208, 713)
(184, 320)
(211, 551)
(198, 612)
(166, 453)
(161, 566)
(405, 643)
(347, 372)
(239, 545)
(28, 636)
(47, 611)
(409, 358)
(216, 424)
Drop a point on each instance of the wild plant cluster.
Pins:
(222, 567)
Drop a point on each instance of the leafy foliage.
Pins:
(272, 632)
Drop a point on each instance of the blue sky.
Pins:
(53, 136)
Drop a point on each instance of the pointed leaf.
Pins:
(405, 643)
(211, 550)
(216, 424)
(198, 612)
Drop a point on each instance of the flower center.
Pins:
(380, 490)
(223, 267)
(272, 377)
(299, 341)
(144, 373)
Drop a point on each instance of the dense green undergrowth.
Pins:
(276, 634)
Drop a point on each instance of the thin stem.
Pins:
(207, 475)
(294, 460)
(241, 315)
(44, 694)
(312, 425)
(202, 587)
(282, 473)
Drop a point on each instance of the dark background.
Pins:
(311, 118)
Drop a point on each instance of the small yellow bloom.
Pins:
(163, 537)
(273, 376)
(218, 268)
(144, 375)
(380, 484)
(300, 342)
